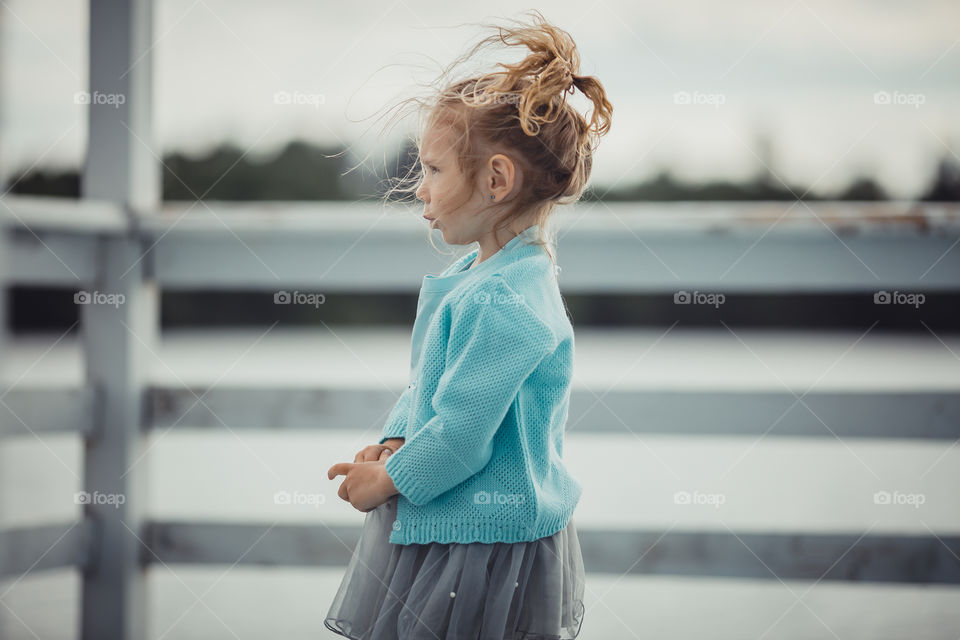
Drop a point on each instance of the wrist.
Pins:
(393, 443)
(387, 482)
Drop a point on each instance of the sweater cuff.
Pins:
(396, 424)
(393, 431)
(405, 478)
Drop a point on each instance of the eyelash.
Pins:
(432, 168)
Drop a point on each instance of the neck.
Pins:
(494, 240)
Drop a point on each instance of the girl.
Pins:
(469, 530)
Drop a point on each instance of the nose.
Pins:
(422, 194)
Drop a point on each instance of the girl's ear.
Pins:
(503, 173)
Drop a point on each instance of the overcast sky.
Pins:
(804, 72)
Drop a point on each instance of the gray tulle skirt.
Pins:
(515, 591)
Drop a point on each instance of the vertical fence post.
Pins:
(113, 597)
(119, 322)
(121, 163)
(5, 322)
(4, 246)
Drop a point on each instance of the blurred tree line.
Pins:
(304, 171)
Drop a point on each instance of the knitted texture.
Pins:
(484, 414)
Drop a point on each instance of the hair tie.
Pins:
(568, 73)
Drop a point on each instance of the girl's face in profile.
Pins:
(449, 202)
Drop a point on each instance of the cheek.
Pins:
(451, 188)
(439, 190)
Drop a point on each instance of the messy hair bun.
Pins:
(521, 110)
(542, 78)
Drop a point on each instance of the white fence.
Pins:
(94, 247)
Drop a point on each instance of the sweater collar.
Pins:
(457, 274)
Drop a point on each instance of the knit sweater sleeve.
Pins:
(496, 341)
(396, 424)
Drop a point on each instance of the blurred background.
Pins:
(772, 102)
(795, 163)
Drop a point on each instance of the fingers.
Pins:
(372, 453)
(341, 468)
(384, 454)
(342, 492)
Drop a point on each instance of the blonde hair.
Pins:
(521, 111)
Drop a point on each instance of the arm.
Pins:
(496, 341)
(396, 424)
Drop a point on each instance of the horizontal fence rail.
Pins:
(49, 410)
(917, 415)
(42, 547)
(604, 247)
(914, 415)
(877, 558)
(773, 555)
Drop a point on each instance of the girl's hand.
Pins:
(366, 485)
(378, 452)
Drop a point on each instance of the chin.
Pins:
(452, 240)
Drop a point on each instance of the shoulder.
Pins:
(492, 289)
(531, 273)
(534, 269)
(504, 303)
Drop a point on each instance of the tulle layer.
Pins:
(513, 591)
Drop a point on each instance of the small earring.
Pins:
(491, 196)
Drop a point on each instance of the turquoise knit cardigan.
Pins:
(483, 417)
